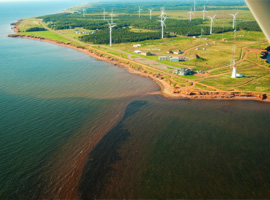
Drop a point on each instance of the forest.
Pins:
(125, 22)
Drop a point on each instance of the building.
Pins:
(169, 52)
(184, 59)
(161, 58)
(138, 52)
(148, 53)
(174, 59)
(137, 45)
(177, 52)
(182, 71)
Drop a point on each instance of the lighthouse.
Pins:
(234, 74)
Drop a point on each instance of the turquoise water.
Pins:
(63, 112)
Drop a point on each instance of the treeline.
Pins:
(248, 26)
(120, 35)
(33, 29)
(68, 20)
(132, 7)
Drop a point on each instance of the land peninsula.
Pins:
(138, 48)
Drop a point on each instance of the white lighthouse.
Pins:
(234, 74)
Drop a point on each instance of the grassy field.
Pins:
(29, 23)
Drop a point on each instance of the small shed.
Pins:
(137, 45)
(161, 58)
(138, 52)
(170, 52)
(177, 52)
(182, 71)
(146, 53)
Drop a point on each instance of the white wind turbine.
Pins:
(151, 12)
(84, 12)
(202, 31)
(234, 19)
(140, 11)
(104, 14)
(212, 21)
(112, 16)
(163, 19)
(190, 14)
(204, 11)
(110, 27)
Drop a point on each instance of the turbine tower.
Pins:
(202, 31)
(163, 19)
(151, 12)
(212, 21)
(190, 14)
(234, 19)
(204, 11)
(234, 72)
(110, 27)
(104, 14)
(83, 12)
(140, 11)
(112, 16)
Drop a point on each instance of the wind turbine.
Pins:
(162, 12)
(104, 14)
(212, 21)
(112, 16)
(204, 11)
(140, 11)
(83, 12)
(110, 27)
(234, 19)
(202, 31)
(151, 12)
(163, 19)
(190, 17)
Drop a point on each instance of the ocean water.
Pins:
(73, 127)
(51, 96)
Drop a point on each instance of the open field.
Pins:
(28, 23)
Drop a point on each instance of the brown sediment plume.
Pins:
(67, 165)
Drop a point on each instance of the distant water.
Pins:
(56, 104)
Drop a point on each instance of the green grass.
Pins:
(259, 85)
(179, 80)
(225, 82)
(46, 34)
(203, 87)
(220, 71)
(29, 23)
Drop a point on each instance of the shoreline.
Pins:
(166, 89)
